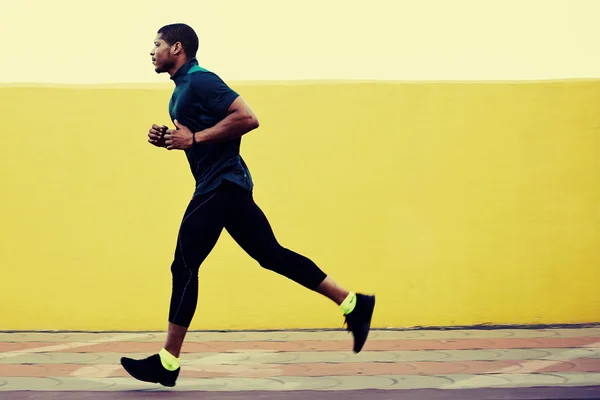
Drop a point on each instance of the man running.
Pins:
(210, 118)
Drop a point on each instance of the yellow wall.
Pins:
(456, 203)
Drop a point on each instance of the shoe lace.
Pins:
(346, 324)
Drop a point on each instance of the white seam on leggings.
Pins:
(183, 258)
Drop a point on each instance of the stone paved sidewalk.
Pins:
(443, 363)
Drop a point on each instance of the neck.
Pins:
(180, 61)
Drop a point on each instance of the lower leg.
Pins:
(332, 291)
(175, 338)
(200, 229)
(182, 308)
(305, 272)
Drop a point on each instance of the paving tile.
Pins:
(464, 381)
(184, 384)
(229, 358)
(573, 365)
(521, 380)
(283, 357)
(40, 358)
(566, 354)
(254, 336)
(579, 332)
(579, 379)
(517, 380)
(254, 357)
(308, 370)
(35, 337)
(54, 358)
(474, 344)
(286, 383)
(443, 334)
(37, 370)
(388, 382)
(509, 333)
(549, 333)
(97, 371)
(263, 370)
(60, 337)
(102, 384)
(20, 346)
(21, 383)
(400, 356)
(312, 345)
(526, 380)
(496, 354)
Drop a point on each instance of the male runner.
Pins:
(210, 119)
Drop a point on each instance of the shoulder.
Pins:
(202, 78)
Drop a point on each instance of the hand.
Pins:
(180, 138)
(156, 135)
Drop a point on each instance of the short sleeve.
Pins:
(215, 95)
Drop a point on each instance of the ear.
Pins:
(177, 48)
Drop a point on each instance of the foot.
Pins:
(150, 370)
(359, 320)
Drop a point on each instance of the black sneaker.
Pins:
(359, 320)
(150, 370)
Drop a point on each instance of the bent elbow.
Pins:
(253, 122)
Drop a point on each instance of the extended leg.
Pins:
(200, 229)
(249, 227)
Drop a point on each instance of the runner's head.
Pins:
(173, 45)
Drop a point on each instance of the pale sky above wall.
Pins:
(77, 41)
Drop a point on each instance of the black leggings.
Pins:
(233, 208)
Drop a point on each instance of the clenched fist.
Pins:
(156, 135)
(179, 139)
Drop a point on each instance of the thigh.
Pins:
(248, 225)
(200, 229)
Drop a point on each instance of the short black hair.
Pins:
(183, 33)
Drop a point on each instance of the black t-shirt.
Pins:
(199, 101)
